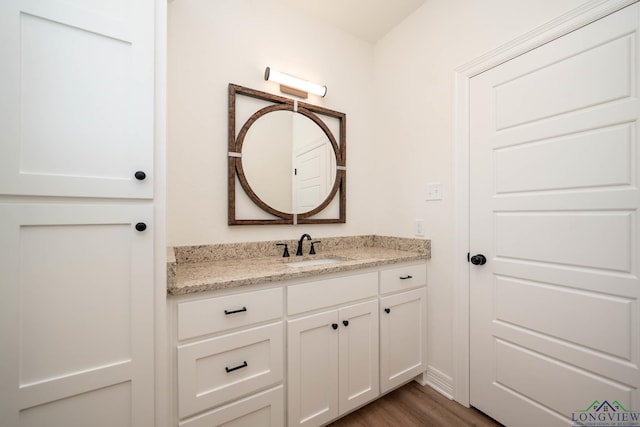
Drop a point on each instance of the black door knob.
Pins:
(141, 226)
(478, 259)
(345, 322)
(334, 325)
(387, 310)
(140, 176)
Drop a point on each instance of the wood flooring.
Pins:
(413, 405)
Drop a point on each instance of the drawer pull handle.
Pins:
(406, 277)
(227, 312)
(244, 365)
(387, 310)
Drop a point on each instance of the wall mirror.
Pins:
(286, 160)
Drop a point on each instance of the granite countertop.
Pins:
(192, 269)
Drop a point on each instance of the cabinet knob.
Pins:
(140, 176)
(345, 322)
(141, 226)
(387, 310)
(334, 325)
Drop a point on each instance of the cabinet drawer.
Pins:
(401, 278)
(217, 370)
(262, 409)
(325, 293)
(207, 316)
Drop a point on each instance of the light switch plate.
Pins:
(419, 228)
(434, 191)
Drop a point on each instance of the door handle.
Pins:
(478, 259)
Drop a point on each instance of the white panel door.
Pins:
(76, 315)
(313, 175)
(76, 111)
(555, 320)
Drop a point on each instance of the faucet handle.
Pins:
(312, 251)
(285, 254)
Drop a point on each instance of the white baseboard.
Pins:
(439, 381)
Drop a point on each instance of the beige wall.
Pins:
(214, 42)
(397, 96)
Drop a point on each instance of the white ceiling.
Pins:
(367, 19)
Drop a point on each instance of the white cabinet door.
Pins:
(358, 355)
(312, 371)
(76, 315)
(76, 111)
(333, 363)
(403, 337)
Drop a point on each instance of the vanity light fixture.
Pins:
(293, 85)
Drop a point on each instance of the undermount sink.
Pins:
(312, 262)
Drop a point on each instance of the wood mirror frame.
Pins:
(279, 103)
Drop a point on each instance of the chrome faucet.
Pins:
(299, 250)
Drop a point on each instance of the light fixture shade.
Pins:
(294, 82)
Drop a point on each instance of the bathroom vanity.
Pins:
(258, 339)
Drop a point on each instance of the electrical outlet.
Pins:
(419, 228)
(434, 191)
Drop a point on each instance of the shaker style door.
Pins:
(76, 111)
(358, 355)
(403, 337)
(312, 369)
(76, 315)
